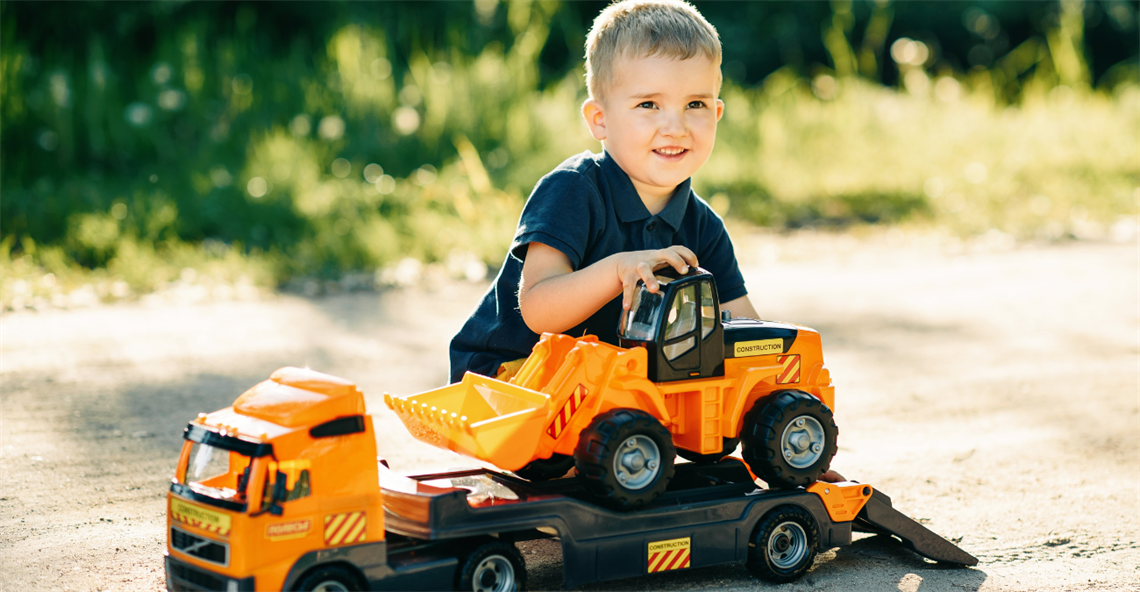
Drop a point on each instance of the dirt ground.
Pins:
(993, 393)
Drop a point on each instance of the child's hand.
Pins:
(832, 477)
(639, 265)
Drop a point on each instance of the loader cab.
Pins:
(679, 326)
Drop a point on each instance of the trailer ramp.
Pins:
(880, 517)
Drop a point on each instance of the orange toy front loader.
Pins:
(685, 380)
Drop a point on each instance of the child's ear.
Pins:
(719, 109)
(595, 118)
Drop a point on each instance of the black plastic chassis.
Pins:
(715, 506)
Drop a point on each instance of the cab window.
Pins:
(297, 480)
(638, 322)
(708, 310)
(301, 487)
(681, 321)
(217, 473)
(683, 313)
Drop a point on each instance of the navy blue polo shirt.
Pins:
(588, 209)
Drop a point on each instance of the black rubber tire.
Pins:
(330, 578)
(729, 444)
(545, 469)
(492, 565)
(783, 544)
(596, 452)
(764, 428)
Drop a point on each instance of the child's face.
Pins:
(658, 120)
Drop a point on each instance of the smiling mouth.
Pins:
(671, 151)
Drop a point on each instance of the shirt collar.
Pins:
(674, 211)
(627, 203)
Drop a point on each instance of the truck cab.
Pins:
(685, 334)
(678, 325)
(287, 471)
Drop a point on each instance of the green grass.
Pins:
(1058, 163)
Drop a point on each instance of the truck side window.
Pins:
(708, 310)
(301, 488)
(297, 483)
(682, 320)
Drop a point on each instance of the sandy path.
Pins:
(995, 396)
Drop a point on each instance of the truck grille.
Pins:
(202, 548)
(186, 578)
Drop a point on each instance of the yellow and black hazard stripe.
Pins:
(345, 529)
(572, 405)
(789, 369)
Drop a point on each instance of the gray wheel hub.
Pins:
(802, 442)
(787, 545)
(330, 586)
(637, 462)
(494, 574)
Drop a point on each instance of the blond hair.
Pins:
(644, 28)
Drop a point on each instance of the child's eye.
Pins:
(697, 105)
(646, 105)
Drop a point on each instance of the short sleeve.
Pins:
(560, 213)
(717, 254)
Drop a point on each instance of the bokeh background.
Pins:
(236, 147)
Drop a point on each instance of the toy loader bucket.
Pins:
(480, 417)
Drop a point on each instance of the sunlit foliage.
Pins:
(254, 143)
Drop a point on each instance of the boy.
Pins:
(599, 223)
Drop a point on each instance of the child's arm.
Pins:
(741, 307)
(554, 298)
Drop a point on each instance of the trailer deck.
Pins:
(707, 516)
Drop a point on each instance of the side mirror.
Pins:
(280, 489)
(279, 493)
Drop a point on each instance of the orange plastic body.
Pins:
(568, 381)
(842, 500)
(344, 505)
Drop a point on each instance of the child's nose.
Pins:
(674, 124)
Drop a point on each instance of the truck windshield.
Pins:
(639, 323)
(217, 473)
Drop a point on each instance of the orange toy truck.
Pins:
(283, 491)
(684, 381)
(299, 440)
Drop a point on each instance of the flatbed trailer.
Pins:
(712, 514)
(283, 491)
